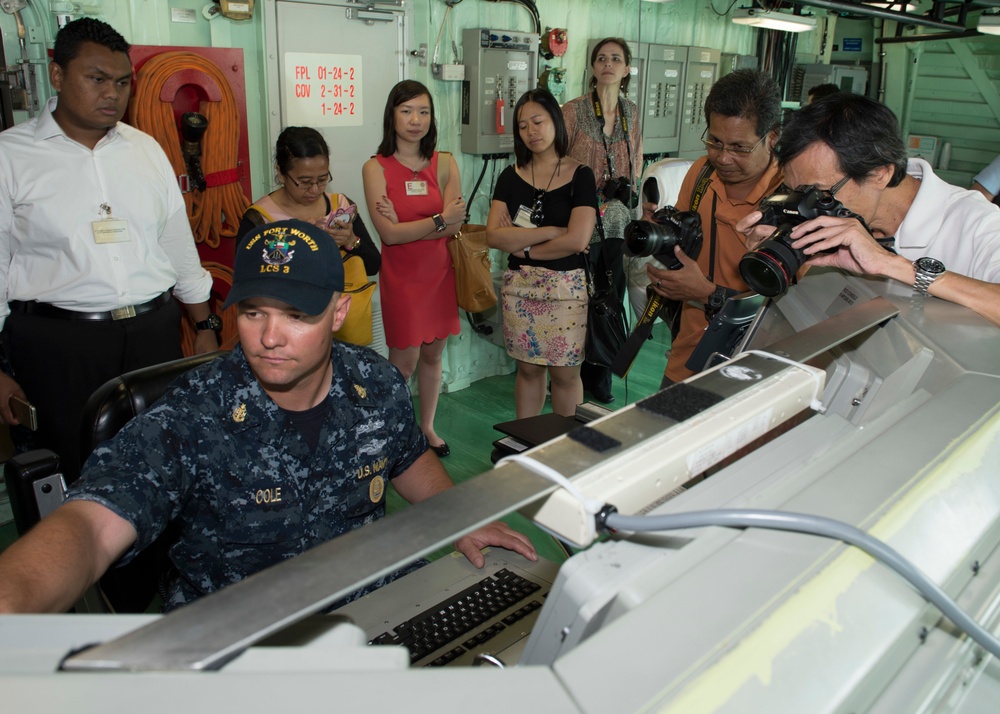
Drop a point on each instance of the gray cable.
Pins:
(815, 525)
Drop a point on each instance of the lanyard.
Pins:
(607, 150)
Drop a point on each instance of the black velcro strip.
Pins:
(596, 440)
(680, 402)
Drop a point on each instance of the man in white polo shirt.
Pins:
(944, 240)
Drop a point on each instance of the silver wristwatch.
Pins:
(928, 270)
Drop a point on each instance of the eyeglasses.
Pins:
(537, 216)
(734, 150)
(839, 185)
(304, 185)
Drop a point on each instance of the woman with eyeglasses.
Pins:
(414, 195)
(543, 213)
(302, 162)
(603, 128)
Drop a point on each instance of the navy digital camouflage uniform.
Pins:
(217, 457)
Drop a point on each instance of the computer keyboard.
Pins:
(448, 623)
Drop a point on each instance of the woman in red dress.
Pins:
(414, 199)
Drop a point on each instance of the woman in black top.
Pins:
(543, 214)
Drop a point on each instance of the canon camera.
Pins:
(771, 268)
(658, 237)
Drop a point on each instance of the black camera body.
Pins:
(771, 267)
(621, 189)
(658, 237)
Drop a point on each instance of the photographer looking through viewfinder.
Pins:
(742, 111)
(943, 240)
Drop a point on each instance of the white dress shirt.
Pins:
(957, 226)
(52, 190)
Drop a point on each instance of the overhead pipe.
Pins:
(927, 38)
(895, 15)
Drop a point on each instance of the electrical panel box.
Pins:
(732, 62)
(702, 71)
(501, 65)
(850, 78)
(663, 94)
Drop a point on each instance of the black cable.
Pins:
(475, 189)
(728, 9)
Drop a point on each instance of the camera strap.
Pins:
(607, 150)
(701, 185)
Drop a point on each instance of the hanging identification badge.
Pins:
(416, 188)
(108, 229)
(523, 218)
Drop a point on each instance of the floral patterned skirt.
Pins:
(545, 315)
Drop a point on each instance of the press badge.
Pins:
(416, 188)
(523, 218)
(110, 230)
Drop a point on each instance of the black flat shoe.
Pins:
(442, 450)
(602, 394)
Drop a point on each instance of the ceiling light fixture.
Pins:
(907, 7)
(989, 24)
(773, 20)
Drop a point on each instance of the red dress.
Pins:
(417, 283)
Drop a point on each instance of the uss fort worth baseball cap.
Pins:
(291, 261)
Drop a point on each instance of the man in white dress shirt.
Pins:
(944, 240)
(94, 245)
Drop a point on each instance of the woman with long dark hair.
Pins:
(603, 128)
(414, 196)
(543, 213)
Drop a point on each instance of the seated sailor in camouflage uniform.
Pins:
(283, 444)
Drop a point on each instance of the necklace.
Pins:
(407, 166)
(554, 172)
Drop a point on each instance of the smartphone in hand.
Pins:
(24, 411)
(341, 215)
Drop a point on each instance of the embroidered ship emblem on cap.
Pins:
(240, 413)
(277, 251)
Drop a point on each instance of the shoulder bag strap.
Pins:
(260, 213)
(444, 169)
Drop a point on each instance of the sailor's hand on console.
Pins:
(686, 283)
(497, 534)
(754, 231)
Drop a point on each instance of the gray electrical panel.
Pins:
(850, 78)
(663, 85)
(501, 65)
(732, 62)
(702, 71)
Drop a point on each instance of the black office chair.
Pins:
(36, 486)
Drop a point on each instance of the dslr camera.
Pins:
(621, 188)
(658, 237)
(771, 268)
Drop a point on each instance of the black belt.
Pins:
(43, 309)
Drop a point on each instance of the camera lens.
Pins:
(644, 238)
(771, 268)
